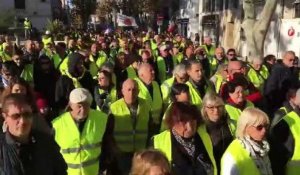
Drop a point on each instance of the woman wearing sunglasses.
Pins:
(248, 153)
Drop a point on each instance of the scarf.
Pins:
(190, 147)
(259, 153)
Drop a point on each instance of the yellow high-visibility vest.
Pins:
(130, 138)
(233, 112)
(155, 102)
(293, 165)
(81, 151)
(244, 163)
(163, 142)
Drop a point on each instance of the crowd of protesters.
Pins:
(141, 103)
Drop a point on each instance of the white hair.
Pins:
(179, 68)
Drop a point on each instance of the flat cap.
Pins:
(80, 95)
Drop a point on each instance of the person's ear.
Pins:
(4, 115)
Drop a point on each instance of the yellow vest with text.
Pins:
(81, 151)
(293, 165)
(233, 112)
(128, 138)
(156, 102)
(244, 163)
(161, 65)
(163, 143)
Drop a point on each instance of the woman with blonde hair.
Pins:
(248, 153)
(150, 162)
(219, 126)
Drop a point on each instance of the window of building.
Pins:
(297, 10)
(19, 4)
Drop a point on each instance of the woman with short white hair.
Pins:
(248, 153)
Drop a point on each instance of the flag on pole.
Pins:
(125, 21)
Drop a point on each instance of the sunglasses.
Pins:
(260, 127)
(214, 107)
(25, 115)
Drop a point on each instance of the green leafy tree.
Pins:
(6, 19)
(55, 27)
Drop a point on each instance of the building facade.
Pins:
(38, 11)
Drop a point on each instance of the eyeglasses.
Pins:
(260, 127)
(25, 115)
(214, 107)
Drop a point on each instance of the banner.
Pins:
(125, 21)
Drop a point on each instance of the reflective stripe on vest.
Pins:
(155, 103)
(82, 147)
(293, 165)
(81, 151)
(161, 65)
(128, 137)
(242, 159)
(166, 89)
(163, 142)
(234, 113)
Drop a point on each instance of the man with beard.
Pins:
(75, 77)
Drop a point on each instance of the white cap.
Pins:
(80, 95)
(47, 32)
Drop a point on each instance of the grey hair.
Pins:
(179, 68)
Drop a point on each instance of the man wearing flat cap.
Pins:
(79, 132)
(165, 63)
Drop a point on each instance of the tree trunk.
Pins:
(256, 30)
